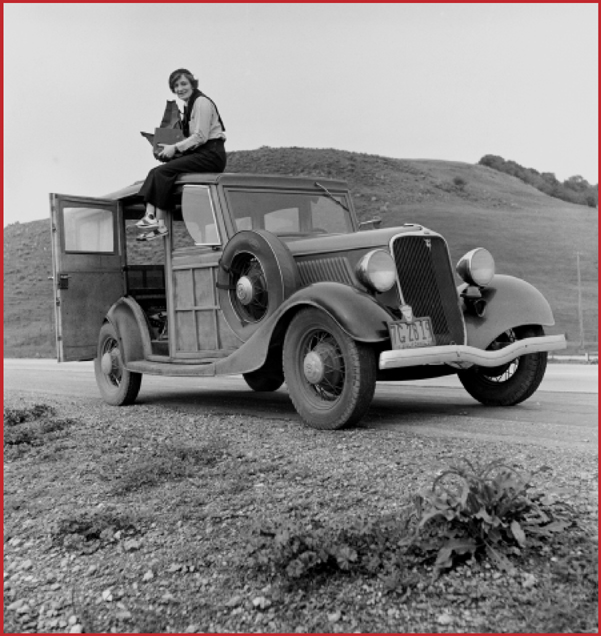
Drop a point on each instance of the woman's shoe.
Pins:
(155, 233)
(147, 222)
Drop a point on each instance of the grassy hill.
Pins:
(531, 235)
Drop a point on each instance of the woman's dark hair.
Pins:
(177, 74)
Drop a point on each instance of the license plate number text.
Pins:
(406, 335)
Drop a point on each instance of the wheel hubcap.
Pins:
(110, 362)
(322, 367)
(106, 364)
(249, 296)
(244, 290)
(313, 367)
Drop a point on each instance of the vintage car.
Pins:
(273, 277)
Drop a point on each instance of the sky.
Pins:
(450, 81)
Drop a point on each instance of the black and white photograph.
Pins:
(301, 317)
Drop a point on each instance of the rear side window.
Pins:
(89, 230)
(199, 215)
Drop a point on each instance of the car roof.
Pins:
(241, 180)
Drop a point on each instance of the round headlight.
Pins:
(477, 267)
(377, 270)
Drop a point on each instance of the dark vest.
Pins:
(188, 110)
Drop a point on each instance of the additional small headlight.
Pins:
(477, 267)
(377, 270)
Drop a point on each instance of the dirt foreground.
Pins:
(146, 519)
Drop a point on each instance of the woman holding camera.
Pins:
(201, 150)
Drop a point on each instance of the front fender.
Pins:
(511, 302)
(356, 312)
(130, 323)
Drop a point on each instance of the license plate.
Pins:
(407, 335)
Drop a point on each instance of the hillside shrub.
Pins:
(459, 183)
(576, 189)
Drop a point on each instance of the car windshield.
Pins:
(290, 213)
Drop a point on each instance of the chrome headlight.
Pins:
(377, 270)
(477, 267)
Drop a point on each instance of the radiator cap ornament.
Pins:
(407, 312)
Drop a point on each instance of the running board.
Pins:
(173, 369)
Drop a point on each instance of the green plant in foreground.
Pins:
(87, 532)
(468, 511)
(169, 462)
(13, 417)
(295, 548)
(492, 509)
(25, 428)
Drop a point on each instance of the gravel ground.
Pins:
(138, 519)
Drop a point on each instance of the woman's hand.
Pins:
(168, 152)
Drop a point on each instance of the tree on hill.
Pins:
(576, 189)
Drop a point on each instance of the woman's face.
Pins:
(182, 88)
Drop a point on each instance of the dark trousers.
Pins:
(158, 186)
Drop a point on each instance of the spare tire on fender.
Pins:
(256, 274)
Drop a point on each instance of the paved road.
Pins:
(562, 413)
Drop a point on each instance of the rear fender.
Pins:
(132, 329)
(511, 302)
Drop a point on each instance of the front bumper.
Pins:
(463, 356)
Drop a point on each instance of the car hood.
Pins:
(369, 239)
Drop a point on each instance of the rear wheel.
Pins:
(511, 383)
(117, 385)
(331, 378)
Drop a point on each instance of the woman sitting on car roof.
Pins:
(201, 150)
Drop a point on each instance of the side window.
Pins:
(89, 230)
(199, 216)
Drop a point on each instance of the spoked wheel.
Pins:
(511, 383)
(117, 385)
(331, 378)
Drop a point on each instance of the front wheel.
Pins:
(511, 383)
(117, 385)
(331, 378)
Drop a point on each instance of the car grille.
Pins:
(427, 284)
